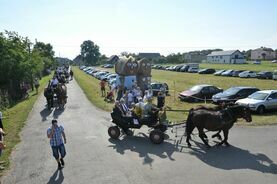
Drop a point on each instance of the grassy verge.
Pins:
(179, 82)
(91, 88)
(14, 121)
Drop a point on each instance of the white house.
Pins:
(263, 53)
(227, 57)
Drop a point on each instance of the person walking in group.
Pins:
(57, 140)
(103, 87)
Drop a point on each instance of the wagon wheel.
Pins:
(156, 136)
(114, 132)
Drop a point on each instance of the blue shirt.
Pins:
(56, 139)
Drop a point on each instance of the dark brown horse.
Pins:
(61, 94)
(215, 121)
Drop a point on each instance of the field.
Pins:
(180, 81)
(266, 65)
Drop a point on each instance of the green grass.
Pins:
(266, 65)
(14, 121)
(91, 88)
(178, 82)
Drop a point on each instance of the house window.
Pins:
(220, 57)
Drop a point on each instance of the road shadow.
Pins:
(56, 178)
(143, 146)
(57, 112)
(229, 158)
(45, 113)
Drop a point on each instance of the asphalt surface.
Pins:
(92, 157)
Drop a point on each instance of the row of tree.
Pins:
(90, 55)
(20, 62)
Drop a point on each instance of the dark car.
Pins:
(206, 71)
(156, 87)
(233, 94)
(264, 75)
(236, 73)
(178, 68)
(199, 93)
(184, 68)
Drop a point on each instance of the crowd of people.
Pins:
(134, 103)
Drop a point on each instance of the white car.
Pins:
(260, 101)
(248, 74)
(193, 70)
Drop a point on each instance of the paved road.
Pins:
(93, 158)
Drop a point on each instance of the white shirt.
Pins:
(130, 97)
(1, 115)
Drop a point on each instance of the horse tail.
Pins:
(189, 123)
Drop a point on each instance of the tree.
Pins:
(47, 53)
(263, 55)
(19, 63)
(90, 52)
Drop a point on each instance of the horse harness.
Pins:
(229, 114)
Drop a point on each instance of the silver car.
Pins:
(260, 101)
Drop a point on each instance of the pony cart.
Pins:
(211, 119)
(57, 95)
(126, 123)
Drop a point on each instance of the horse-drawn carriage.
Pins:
(211, 119)
(152, 121)
(56, 95)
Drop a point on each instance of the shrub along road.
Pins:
(93, 158)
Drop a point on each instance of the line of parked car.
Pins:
(100, 74)
(111, 78)
(194, 68)
(256, 99)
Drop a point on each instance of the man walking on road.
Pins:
(57, 140)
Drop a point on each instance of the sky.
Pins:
(164, 26)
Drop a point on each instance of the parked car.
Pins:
(107, 66)
(274, 61)
(274, 76)
(112, 76)
(219, 72)
(248, 74)
(192, 70)
(227, 73)
(264, 75)
(105, 76)
(233, 94)
(170, 68)
(87, 68)
(82, 67)
(156, 87)
(184, 68)
(178, 68)
(260, 101)
(257, 62)
(199, 93)
(206, 71)
(236, 73)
